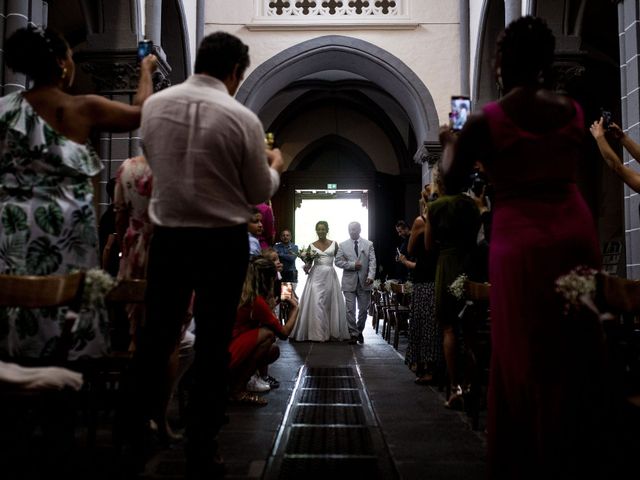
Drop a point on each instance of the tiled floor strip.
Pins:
(329, 429)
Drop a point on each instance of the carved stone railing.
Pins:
(331, 13)
(295, 8)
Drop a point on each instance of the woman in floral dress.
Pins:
(46, 165)
(132, 195)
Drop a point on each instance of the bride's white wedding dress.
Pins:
(322, 314)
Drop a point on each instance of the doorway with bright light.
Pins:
(338, 209)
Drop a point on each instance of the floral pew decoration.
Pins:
(578, 287)
(97, 284)
(457, 288)
(468, 291)
(388, 284)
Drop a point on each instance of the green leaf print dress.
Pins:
(47, 226)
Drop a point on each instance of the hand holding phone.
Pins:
(606, 118)
(145, 47)
(285, 291)
(460, 110)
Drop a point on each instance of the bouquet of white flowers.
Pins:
(97, 284)
(307, 255)
(577, 284)
(457, 286)
(376, 284)
(407, 287)
(387, 284)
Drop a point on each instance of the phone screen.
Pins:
(285, 291)
(606, 118)
(144, 48)
(460, 110)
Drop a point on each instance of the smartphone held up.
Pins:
(145, 47)
(606, 118)
(286, 290)
(460, 110)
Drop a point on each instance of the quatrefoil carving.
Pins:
(306, 5)
(359, 5)
(332, 5)
(386, 5)
(279, 5)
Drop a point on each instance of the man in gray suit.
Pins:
(358, 260)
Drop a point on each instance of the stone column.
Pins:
(512, 10)
(153, 21)
(428, 155)
(108, 66)
(15, 14)
(629, 31)
(465, 57)
(153, 26)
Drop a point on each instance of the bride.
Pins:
(322, 314)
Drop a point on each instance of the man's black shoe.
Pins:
(353, 340)
(360, 338)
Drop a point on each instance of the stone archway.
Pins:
(363, 67)
(336, 52)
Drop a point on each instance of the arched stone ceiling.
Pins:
(351, 57)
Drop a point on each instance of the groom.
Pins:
(358, 260)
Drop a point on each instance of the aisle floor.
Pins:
(342, 411)
(419, 438)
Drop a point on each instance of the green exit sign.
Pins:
(332, 186)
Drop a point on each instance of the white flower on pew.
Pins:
(407, 287)
(97, 283)
(457, 286)
(578, 284)
(578, 287)
(376, 284)
(388, 283)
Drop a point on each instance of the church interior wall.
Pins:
(430, 49)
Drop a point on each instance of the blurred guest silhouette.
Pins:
(546, 398)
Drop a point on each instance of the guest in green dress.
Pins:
(451, 226)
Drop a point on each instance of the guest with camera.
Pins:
(599, 131)
(252, 346)
(481, 194)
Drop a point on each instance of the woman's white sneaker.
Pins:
(256, 384)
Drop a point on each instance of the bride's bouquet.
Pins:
(307, 255)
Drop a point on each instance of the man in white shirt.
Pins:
(209, 162)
